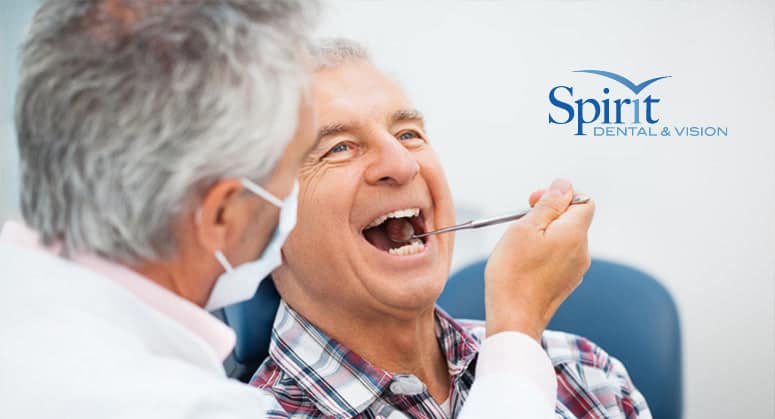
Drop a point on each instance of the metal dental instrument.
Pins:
(578, 199)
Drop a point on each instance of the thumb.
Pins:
(552, 204)
(535, 196)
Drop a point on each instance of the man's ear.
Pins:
(222, 215)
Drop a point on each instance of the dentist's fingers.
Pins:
(535, 196)
(581, 214)
(551, 205)
(578, 216)
(538, 262)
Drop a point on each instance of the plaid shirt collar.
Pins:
(340, 382)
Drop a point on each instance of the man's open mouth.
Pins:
(392, 232)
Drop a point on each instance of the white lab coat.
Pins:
(75, 344)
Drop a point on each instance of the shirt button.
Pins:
(408, 385)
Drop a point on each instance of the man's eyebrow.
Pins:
(340, 127)
(407, 115)
(326, 130)
(330, 129)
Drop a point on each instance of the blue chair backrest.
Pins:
(252, 322)
(623, 310)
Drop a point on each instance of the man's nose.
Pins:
(392, 164)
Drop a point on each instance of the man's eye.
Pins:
(408, 135)
(339, 148)
(340, 152)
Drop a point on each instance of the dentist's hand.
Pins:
(538, 262)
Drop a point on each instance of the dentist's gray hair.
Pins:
(127, 110)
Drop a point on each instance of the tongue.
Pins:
(399, 230)
(393, 233)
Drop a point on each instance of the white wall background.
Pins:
(14, 17)
(699, 213)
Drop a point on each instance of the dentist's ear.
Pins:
(222, 215)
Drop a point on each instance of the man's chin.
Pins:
(410, 294)
(415, 289)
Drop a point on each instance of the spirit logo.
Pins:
(605, 110)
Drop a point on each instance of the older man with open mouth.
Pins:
(358, 332)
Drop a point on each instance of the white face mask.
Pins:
(240, 283)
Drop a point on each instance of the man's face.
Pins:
(373, 160)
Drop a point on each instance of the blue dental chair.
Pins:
(625, 311)
(252, 322)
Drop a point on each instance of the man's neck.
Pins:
(397, 344)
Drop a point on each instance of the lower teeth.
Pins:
(414, 246)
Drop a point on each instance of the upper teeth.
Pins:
(402, 213)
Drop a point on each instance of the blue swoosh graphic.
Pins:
(636, 88)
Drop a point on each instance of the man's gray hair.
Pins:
(332, 52)
(128, 110)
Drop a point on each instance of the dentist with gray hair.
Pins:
(159, 144)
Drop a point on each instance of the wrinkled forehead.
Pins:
(357, 90)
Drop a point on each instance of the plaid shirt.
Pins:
(311, 376)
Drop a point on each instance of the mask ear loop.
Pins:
(263, 193)
(256, 190)
(252, 187)
(223, 261)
